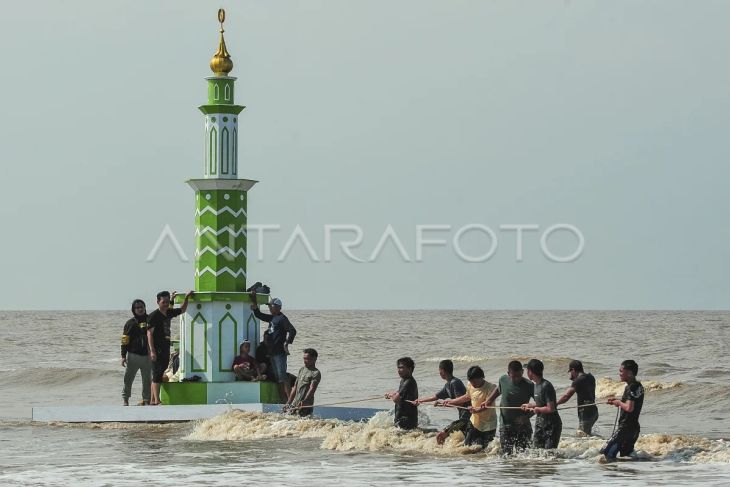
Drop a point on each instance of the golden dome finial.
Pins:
(221, 63)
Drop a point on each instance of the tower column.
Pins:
(219, 317)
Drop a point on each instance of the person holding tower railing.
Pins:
(281, 335)
(158, 337)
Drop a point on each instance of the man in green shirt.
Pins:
(302, 394)
(516, 430)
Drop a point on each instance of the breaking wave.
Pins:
(483, 358)
(379, 435)
(55, 376)
(606, 387)
(461, 358)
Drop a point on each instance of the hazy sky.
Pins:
(612, 117)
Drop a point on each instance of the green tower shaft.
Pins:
(220, 216)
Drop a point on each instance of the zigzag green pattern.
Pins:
(222, 220)
(208, 264)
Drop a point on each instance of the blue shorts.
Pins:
(278, 366)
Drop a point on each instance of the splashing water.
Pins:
(606, 387)
(379, 435)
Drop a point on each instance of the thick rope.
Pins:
(486, 407)
(615, 421)
(580, 406)
(510, 407)
(371, 398)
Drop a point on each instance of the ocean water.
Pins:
(55, 358)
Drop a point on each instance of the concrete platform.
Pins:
(165, 414)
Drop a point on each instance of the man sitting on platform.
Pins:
(263, 359)
(244, 365)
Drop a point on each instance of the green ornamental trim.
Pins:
(177, 393)
(230, 317)
(233, 297)
(213, 109)
(252, 334)
(198, 320)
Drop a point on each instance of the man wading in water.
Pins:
(585, 386)
(515, 390)
(302, 394)
(623, 440)
(452, 389)
(548, 424)
(483, 422)
(406, 412)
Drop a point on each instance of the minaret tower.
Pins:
(220, 217)
(218, 317)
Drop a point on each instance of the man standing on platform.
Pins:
(281, 335)
(134, 352)
(158, 337)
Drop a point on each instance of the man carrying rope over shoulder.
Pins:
(624, 438)
(585, 386)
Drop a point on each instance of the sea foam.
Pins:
(379, 435)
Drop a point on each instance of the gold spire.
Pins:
(221, 63)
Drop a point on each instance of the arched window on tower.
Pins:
(206, 150)
(234, 152)
(213, 151)
(227, 92)
(216, 92)
(225, 154)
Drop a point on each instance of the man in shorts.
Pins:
(281, 335)
(585, 386)
(624, 438)
(158, 338)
